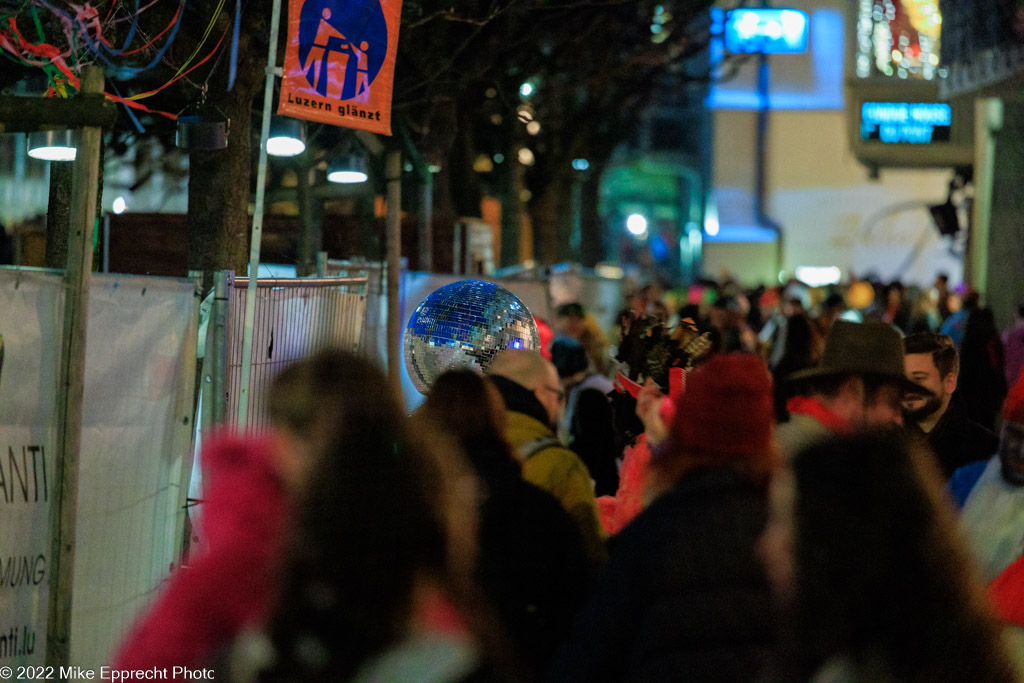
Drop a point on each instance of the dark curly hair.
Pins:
(881, 573)
(370, 520)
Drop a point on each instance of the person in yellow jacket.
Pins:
(533, 396)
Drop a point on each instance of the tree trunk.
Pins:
(310, 236)
(592, 244)
(511, 184)
(58, 213)
(218, 223)
(551, 214)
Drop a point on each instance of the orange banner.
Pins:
(339, 65)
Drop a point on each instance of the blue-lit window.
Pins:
(771, 31)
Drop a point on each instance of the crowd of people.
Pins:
(767, 485)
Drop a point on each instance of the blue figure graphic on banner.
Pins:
(342, 45)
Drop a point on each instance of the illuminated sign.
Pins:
(771, 31)
(906, 122)
(899, 39)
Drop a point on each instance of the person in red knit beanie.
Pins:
(683, 597)
(722, 418)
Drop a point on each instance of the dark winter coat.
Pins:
(957, 440)
(533, 564)
(683, 597)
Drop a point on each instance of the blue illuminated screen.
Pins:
(915, 123)
(772, 31)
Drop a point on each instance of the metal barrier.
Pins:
(294, 318)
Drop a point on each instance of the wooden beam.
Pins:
(20, 114)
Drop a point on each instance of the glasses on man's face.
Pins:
(558, 391)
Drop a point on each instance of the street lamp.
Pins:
(202, 127)
(52, 145)
(636, 224)
(287, 137)
(347, 168)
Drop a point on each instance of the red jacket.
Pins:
(228, 586)
(1007, 593)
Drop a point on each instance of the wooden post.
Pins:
(76, 314)
(393, 174)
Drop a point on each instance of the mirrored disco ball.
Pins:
(463, 325)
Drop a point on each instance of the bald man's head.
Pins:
(530, 370)
(522, 367)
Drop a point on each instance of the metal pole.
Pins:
(217, 357)
(988, 120)
(76, 315)
(761, 158)
(257, 219)
(393, 174)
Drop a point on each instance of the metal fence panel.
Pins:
(294, 319)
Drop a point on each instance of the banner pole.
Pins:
(257, 219)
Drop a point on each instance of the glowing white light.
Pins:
(818, 276)
(526, 89)
(747, 25)
(711, 225)
(773, 30)
(533, 128)
(347, 177)
(793, 25)
(636, 224)
(53, 153)
(119, 205)
(526, 157)
(285, 147)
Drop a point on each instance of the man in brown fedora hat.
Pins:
(859, 383)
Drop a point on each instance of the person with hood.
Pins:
(533, 398)
(588, 419)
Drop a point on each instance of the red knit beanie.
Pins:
(1013, 407)
(727, 409)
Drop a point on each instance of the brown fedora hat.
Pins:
(862, 349)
